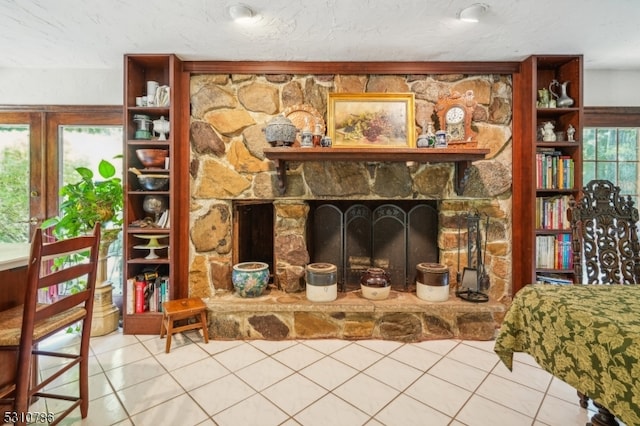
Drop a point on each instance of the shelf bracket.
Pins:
(460, 178)
(281, 171)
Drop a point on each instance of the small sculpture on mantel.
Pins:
(306, 137)
(427, 139)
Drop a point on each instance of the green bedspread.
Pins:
(586, 335)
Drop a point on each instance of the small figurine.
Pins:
(548, 134)
(571, 131)
(427, 138)
(306, 139)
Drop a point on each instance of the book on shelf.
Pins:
(551, 212)
(130, 305)
(140, 286)
(554, 251)
(553, 279)
(554, 170)
(150, 295)
(147, 293)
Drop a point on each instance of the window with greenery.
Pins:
(40, 148)
(611, 144)
(14, 166)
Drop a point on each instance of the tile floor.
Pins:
(313, 382)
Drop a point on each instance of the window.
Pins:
(611, 145)
(40, 147)
(14, 170)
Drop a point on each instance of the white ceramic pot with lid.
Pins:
(322, 283)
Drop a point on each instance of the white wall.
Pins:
(611, 88)
(61, 86)
(104, 87)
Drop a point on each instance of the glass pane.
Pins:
(589, 145)
(588, 171)
(86, 146)
(628, 144)
(14, 175)
(628, 178)
(607, 170)
(606, 145)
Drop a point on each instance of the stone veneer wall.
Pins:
(229, 113)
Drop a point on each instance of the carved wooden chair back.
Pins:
(604, 236)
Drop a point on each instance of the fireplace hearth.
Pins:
(352, 234)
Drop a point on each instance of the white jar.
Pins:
(322, 284)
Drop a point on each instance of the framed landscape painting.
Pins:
(371, 120)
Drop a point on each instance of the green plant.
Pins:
(85, 203)
(89, 201)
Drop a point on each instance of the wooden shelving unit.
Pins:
(173, 260)
(537, 72)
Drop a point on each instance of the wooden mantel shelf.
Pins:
(461, 157)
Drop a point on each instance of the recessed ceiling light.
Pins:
(473, 13)
(242, 13)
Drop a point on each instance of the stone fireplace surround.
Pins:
(228, 163)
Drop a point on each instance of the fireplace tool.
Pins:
(473, 280)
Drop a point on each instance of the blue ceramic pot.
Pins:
(250, 278)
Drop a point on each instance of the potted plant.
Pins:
(89, 201)
(85, 203)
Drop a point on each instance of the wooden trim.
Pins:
(319, 68)
(84, 109)
(612, 116)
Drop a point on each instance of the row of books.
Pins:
(554, 170)
(146, 293)
(551, 212)
(554, 251)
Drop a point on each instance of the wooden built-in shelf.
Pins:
(461, 157)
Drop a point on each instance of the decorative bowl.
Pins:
(153, 182)
(280, 131)
(152, 158)
(250, 278)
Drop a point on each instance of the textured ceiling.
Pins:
(96, 33)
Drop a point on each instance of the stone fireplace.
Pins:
(350, 213)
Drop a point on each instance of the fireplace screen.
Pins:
(356, 236)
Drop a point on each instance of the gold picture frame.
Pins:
(371, 120)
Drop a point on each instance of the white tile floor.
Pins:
(314, 382)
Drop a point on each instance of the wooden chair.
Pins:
(604, 236)
(23, 327)
(605, 243)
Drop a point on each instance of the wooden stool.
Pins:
(180, 309)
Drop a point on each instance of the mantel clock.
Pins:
(455, 111)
